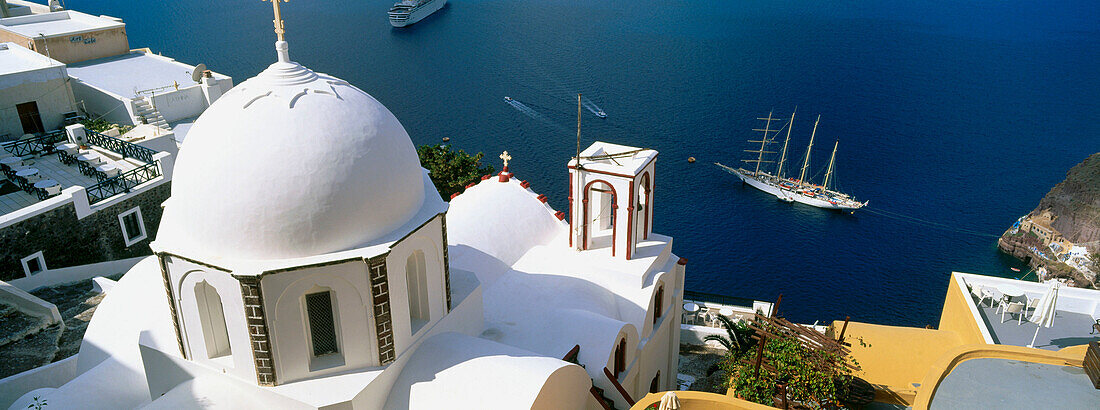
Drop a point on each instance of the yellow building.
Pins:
(974, 358)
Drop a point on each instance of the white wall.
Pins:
(428, 239)
(284, 295)
(100, 103)
(28, 303)
(180, 104)
(75, 273)
(51, 375)
(184, 276)
(47, 87)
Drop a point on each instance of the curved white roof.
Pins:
(453, 370)
(501, 219)
(291, 163)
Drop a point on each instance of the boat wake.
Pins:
(592, 107)
(530, 112)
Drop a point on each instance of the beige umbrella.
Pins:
(670, 402)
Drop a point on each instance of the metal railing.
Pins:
(42, 144)
(124, 148)
(123, 182)
(720, 299)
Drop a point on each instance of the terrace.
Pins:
(1076, 312)
(41, 167)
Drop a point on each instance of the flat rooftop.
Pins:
(123, 75)
(67, 175)
(16, 59)
(1070, 329)
(1012, 384)
(58, 23)
(1076, 310)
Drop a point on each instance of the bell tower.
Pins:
(611, 198)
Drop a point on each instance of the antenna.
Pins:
(197, 74)
(578, 131)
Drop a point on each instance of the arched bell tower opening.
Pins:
(611, 198)
(600, 205)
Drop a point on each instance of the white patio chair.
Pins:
(982, 294)
(1016, 308)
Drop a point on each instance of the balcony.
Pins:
(41, 159)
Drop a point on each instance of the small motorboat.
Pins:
(1015, 269)
(507, 98)
(601, 114)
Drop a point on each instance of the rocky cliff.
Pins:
(1075, 203)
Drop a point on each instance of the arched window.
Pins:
(620, 357)
(416, 278)
(212, 317)
(658, 304)
(655, 384)
(322, 323)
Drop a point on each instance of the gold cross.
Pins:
(280, 29)
(506, 158)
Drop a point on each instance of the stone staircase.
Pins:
(26, 341)
(600, 395)
(144, 110)
(597, 392)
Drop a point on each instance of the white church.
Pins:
(305, 260)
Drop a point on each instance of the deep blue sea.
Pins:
(959, 113)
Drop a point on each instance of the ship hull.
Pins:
(818, 202)
(417, 14)
(758, 184)
(788, 195)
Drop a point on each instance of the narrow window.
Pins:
(133, 226)
(322, 328)
(417, 280)
(655, 384)
(620, 357)
(658, 304)
(33, 264)
(212, 317)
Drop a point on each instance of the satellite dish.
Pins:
(197, 74)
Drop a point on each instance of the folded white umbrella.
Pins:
(670, 402)
(1044, 312)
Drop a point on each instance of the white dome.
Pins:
(291, 163)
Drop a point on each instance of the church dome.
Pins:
(291, 163)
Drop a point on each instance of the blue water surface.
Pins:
(960, 113)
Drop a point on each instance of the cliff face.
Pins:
(1076, 204)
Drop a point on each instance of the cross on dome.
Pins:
(280, 29)
(506, 158)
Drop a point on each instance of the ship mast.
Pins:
(783, 157)
(763, 142)
(829, 172)
(806, 162)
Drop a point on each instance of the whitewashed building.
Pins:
(305, 260)
(34, 93)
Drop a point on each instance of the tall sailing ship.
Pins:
(791, 189)
(407, 12)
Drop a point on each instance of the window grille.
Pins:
(321, 325)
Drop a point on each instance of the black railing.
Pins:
(123, 182)
(124, 148)
(720, 299)
(43, 144)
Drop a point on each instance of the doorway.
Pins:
(30, 118)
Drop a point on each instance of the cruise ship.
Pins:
(408, 12)
(786, 189)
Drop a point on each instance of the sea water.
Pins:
(959, 113)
